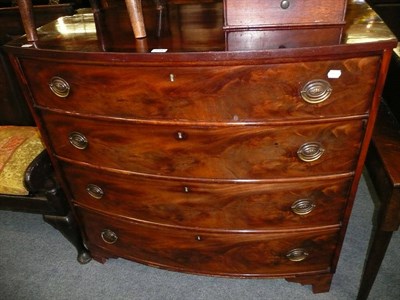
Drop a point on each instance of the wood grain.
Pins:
(228, 152)
(229, 254)
(258, 13)
(223, 206)
(240, 93)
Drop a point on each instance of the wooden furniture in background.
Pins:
(200, 159)
(389, 11)
(44, 196)
(136, 16)
(383, 160)
(14, 110)
(135, 13)
(383, 165)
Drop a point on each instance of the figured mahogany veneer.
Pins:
(220, 152)
(209, 151)
(240, 205)
(225, 253)
(244, 92)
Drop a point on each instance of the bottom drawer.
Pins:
(243, 254)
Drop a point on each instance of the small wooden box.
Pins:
(273, 13)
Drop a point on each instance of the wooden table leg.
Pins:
(383, 165)
(375, 257)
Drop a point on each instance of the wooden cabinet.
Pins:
(205, 159)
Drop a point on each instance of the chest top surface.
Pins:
(195, 28)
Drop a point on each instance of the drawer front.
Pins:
(210, 205)
(244, 40)
(232, 152)
(239, 13)
(219, 94)
(240, 254)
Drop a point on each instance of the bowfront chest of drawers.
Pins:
(179, 153)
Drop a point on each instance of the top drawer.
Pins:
(260, 13)
(207, 93)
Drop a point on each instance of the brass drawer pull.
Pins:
(298, 254)
(316, 91)
(95, 191)
(285, 4)
(302, 207)
(59, 86)
(78, 140)
(109, 236)
(311, 151)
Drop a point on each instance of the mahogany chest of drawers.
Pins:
(182, 154)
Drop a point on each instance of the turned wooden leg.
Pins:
(375, 257)
(26, 11)
(136, 17)
(319, 283)
(68, 227)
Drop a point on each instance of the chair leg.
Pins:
(25, 8)
(375, 257)
(68, 227)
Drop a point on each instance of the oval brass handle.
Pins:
(311, 151)
(59, 86)
(302, 207)
(95, 191)
(109, 236)
(298, 254)
(78, 140)
(316, 91)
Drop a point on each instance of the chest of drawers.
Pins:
(202, 159)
